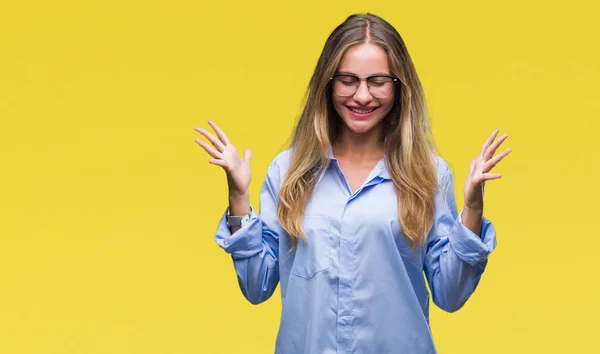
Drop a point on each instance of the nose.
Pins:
(362, 95)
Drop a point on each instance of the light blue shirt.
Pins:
(356, 285)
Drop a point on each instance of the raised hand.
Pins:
(224, 154)
(480, 170)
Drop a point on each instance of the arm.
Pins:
(458, 245)
(456, 257)
(255, 247)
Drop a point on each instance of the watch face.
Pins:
(245, 220)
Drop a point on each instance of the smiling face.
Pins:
(362, 112)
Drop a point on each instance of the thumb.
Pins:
(472, 164)
(247, 155)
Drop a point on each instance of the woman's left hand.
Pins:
(480, 171)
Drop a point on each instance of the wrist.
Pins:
(472, 219)
(236, 196)
(473, 209)
(239, 204)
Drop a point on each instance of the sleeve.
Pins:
(255, 247)
(455, 256)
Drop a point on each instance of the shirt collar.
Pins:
(380, 169)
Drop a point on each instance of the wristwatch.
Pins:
(240, 221)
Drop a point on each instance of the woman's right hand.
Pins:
(224, 154)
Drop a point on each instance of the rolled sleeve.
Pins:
(245, 242)
(468, 246)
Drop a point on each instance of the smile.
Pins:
(362, 111)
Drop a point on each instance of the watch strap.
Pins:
(237, 220)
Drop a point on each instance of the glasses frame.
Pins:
(395, 80)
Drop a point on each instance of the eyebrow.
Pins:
(353, 74)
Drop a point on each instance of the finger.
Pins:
(218, 162)
(209, 149)
(489, 141)
(247, 155)
(491, 150)
(213, 140)
(493, 161)
(219, 132)
(490, 176)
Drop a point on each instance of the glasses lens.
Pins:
(381, 86)
(344, 85)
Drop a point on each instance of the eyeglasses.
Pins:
(380, 86)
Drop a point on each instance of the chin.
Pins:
(360, 127)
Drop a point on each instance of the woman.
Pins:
(358, 207)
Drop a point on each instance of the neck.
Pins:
(359, 146)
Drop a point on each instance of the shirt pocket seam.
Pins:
(310, 260)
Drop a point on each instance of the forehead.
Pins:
(364, 59)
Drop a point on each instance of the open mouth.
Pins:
(361, 113)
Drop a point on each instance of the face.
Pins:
(362, 112)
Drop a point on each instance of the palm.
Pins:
(226, 155)
(480, 170)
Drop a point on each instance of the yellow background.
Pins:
(108, 207)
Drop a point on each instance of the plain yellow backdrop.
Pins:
(108, 207)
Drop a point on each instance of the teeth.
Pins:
(359, 111)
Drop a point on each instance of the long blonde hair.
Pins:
(409, 149)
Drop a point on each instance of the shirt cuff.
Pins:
(468, 246)
(245, 242)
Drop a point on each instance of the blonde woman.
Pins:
(358, 208)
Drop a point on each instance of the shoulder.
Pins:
(279, 165)
(441, 164)
(444, 174)
(282, 160)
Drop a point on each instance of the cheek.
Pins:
(387, 105)
(339, 104)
